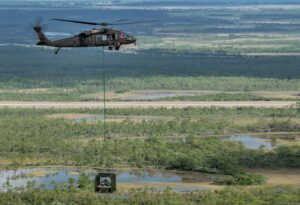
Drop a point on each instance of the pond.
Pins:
(158, 95)
(268, 141)
(92, 118)
(97, 118)
(48, 177)
(252, 142)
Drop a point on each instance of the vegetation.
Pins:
(241, 84)
(148, 71)
(58, 141)
(222, 97)
(89, 90)
(33, 124)
(242, 179)
(221, 50)
(281, 195)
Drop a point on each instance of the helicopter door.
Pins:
(104, 38)
(112, 37)
(101, 39)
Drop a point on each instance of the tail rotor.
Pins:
(37, 27)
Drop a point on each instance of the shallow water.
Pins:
(181, 188)
(92, 118)
(51, 176)
(158, 95)
(96, 118)
(252, 142)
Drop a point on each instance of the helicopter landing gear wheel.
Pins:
(117, 46)
(110, 48)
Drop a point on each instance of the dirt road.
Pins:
(152, 104)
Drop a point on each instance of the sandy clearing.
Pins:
(125, 187)
(160, 104)
(280, 176)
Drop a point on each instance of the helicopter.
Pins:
(103, 36)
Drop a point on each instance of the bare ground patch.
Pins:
(160, 104)
(280, 176)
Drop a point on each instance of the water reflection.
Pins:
(46, 176)
(92, 118)
(252, 142)
(96, 118)
(158, 95)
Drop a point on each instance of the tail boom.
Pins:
(43, 40)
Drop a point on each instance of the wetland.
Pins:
(49, 177)
(198, 51)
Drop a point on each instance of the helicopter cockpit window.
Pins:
(124, 35)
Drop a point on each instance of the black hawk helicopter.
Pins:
(104, 36)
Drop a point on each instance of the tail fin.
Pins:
(42, 37)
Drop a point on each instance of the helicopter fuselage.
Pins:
(91, 38)
(96, 37)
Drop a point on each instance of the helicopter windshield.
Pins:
(124, 35)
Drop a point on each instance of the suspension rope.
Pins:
(105, 133)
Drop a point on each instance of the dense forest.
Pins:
(42, 67)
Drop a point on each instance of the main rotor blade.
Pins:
(81, 22)
(119, 20)
(104, 23)
(136, 22)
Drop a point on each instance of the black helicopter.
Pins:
(92, 38)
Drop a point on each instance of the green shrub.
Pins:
(242, 179)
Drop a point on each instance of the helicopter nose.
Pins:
(133, 40)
